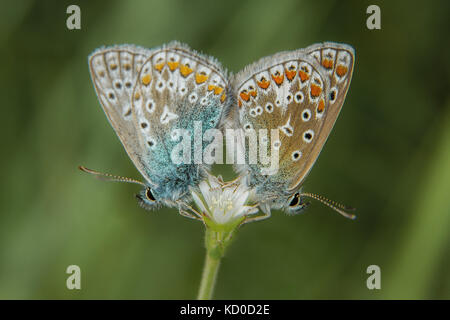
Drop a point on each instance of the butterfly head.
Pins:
(293, 203)
(296, 204)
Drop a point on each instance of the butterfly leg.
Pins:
(266, 214)
(187, 214)
(193, 214)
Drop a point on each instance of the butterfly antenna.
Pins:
(109, 177)
(332, 204)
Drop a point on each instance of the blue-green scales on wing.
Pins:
(150, 97)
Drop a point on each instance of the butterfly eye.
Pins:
(295, 200)
(149, 195)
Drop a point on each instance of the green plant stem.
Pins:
(209, 275)
(216, 241)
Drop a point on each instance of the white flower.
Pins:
(222, 202)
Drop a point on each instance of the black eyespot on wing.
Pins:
(332, 95)
(308, 136)
(294, 200)
(149, 195)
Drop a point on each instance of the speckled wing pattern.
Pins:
(114, 71)
(337, 61)
(300, 93)
(176, 87)
(172, 87)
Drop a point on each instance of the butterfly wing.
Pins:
(147, 93)
(337, 61)
(114, 71)
(288, 91)
(177, 88)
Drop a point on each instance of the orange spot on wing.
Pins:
(290, 74)
(239, 104)
(172, 65)
(218, 90)
(185, 70)
(327, 63)
(146, 79)
(315, 90)
(263, 84)
(159, 66)
(321, 106)
(278, 79)
(137, 96)
(341, 70)
(244, 95)
(303, 75)
(200, 78)
(223, 97)
(253, 93)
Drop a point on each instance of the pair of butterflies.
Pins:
(147, 93)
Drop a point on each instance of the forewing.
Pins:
(337, 62)
(175, 88)
(114, 71)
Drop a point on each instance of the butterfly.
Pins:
(145, 94)
(300, 93)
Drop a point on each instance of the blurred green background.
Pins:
(388, 156)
